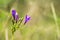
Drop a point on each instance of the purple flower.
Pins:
(27, 18)
(15, 15)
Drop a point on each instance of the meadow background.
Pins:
(44, 23)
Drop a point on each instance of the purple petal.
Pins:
(16, 17)
(27, 18)
(13, 13)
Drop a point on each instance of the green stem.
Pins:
(55, 18)
(6, 34)
(13, 37)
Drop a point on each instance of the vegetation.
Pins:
(37, 20)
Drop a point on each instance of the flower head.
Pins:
(27, 18)
(13, 14)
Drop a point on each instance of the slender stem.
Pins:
(6, 34)
(12, 37)
(55, 18)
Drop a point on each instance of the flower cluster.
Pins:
(15, 17)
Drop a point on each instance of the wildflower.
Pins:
(15, 15)
(27, 18)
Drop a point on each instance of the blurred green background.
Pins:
(42, 26)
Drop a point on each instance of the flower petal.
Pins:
(27, 18)
(16, 17)
(13, 14)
